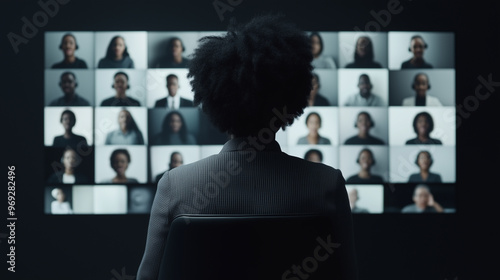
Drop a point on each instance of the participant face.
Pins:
(422, 125)
(67, 122)
(362, 46)
(120, 83)
(120, 164)
(123, 119)
(364, 86)
(365, 160)
(353, 196)
(176, 48)
(118, 47)
(175, 123)
(68, 84)
(172, 86)
(421, 197)
(68, 46)
(315, 45)
(69, 159)
(424, 161)
(60, 195)
(313, 123)
(176, 161)
(314, 157)
(363, 123)
(421, 84)
(315, 86)
(417, 47)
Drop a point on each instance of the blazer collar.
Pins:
(249, 143)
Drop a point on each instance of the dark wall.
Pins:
(389, 246)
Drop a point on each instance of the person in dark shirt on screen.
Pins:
(315, 98)
(364, 123)
(174, 131)
(314, 155)
(365, 160)
(175, 161)
(117, 55)
(363, 54)
(120, 84)
(173, 100)
(68, 85)
(119, 161)
(69, 173)
(424, 161)
(68, 47)
(417, 48)
(69, 139)
(173, 57)
(423, 125)
(423, 202)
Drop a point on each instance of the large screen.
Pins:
(119, 112)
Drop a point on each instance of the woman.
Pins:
(423, 202)
(364, 123)
(417, 47)
(320, 60)
(60, 205)
(364, 176)
(70, 174)
(128, 132)
(363, 55)
(174, 131)
(68, 46)
(251, 175)
(120, 160)
(423, 125)
(69, 139)
(313, 123)
(424, 162)
(117, 55)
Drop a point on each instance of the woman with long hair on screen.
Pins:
(117, 55)
(128, 132)
(313, 123)
(424, 161)
(174, 131)
(68, 47)
(69, 139)
(363, 54)
(365, 160)
(70, 173)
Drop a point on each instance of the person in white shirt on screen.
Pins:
(353, 199)
(69, 173)
(365, 97)
(421, 85)
(173, 100)
(59, 205)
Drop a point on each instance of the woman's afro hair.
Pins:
(254, 77)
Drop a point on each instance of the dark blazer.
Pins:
(249, 179)
(184, 103)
